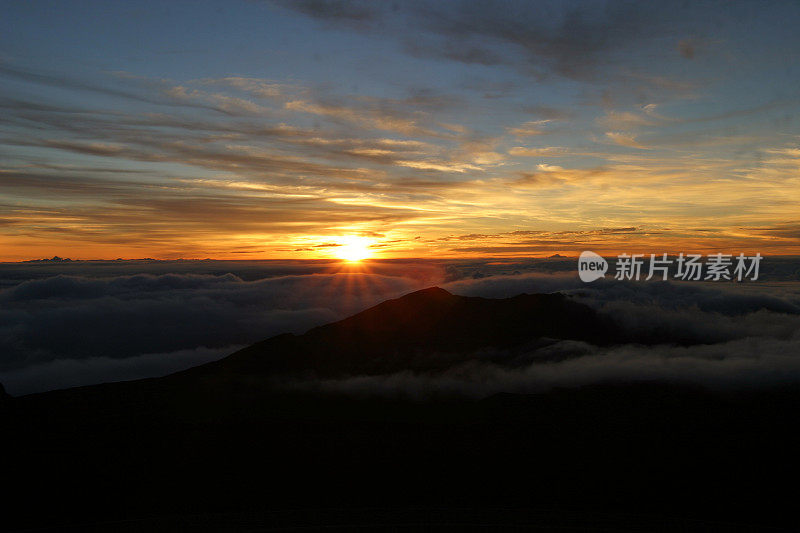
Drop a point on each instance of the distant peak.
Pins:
(435, 290)
(430, 292)
(424, 297)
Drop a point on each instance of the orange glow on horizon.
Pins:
(359, 246)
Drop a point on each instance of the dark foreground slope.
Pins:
(216, 448)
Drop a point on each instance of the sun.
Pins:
(353, 248)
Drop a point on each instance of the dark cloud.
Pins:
(128, 88)
(747, 363)
(490, 88)
(571, 39)
(336, 10)
(788, 230)
(456, 52)
(687, 48)
(566, 39)
(548, 112)
(684, 312)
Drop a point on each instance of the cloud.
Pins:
(64, 324)
(674, 312)
(550, 175)
(441, 166)
(65, 373)
(334, 10)
(545, 112)
(529, 129)
(545, 151)
(787, 230)
(263, 160)
(746, 363)
(720, 337)
(471, 55)
(570, 39)
(257, 86)
(193, 315)
(625, 139)
(260, 177)
(367, 116)
(227, 104)
(620, 120)
(131, 89)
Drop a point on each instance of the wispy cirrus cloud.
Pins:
(625, 139)
(545, 151)
(530, 129)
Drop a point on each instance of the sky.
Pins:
(292, 130)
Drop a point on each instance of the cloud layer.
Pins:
(70, 329)
(127, 320)
(411, 123)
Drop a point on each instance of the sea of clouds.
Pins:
(78, 323)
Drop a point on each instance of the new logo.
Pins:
(591, 266)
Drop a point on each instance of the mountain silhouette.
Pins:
(4, 396)
(217, 448)
(426, 330)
